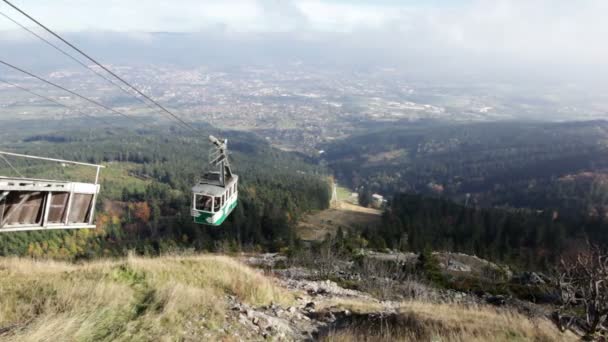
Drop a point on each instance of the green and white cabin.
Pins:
(215, 196)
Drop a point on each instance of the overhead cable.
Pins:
(188, 125)
(67, 54)
(97, 103)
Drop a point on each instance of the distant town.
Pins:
(293, 107)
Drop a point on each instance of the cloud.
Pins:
(549, 33)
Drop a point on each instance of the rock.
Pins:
(292, 309)
(496, 300)
(457, 266)
(301, 317)
(329, 317)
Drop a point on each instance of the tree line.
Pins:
(526, 238)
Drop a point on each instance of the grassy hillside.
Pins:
(189, 298)
(135, 299)
(418, 321)
(345, 216)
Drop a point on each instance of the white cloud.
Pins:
(548, 31)
(341, 17)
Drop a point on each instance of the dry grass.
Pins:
(418, 321)
(139, 299)
(184, 299)
(353, 305)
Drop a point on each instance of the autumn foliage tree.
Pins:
(141, 211)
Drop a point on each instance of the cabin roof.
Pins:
(207, 189)
(212, 188)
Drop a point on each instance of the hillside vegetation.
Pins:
(144, 204)
(342, 216)
(419, 321)
(135, 299)
(191, 297)
(519, 164)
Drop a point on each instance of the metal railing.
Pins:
(99, 167)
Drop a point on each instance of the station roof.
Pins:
(31, 184)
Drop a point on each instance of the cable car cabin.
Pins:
(216, 195)
(214, 202)
(40, 204)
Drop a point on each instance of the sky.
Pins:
(552, 34)
(234, 15)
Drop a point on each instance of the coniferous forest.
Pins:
(144, 205)
(524, 194)
(527, 238)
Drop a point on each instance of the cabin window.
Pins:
(22, 208)
(217, 204)
(80, 208)
(204, 202)
(58, 207)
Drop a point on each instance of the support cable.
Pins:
(67, 90)
(186, 124)
(65, 53)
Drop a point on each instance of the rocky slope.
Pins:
(208, 297)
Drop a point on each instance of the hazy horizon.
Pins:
(559, 41)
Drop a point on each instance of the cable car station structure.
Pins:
(40, 204)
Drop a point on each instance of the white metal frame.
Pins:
(48, 187)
